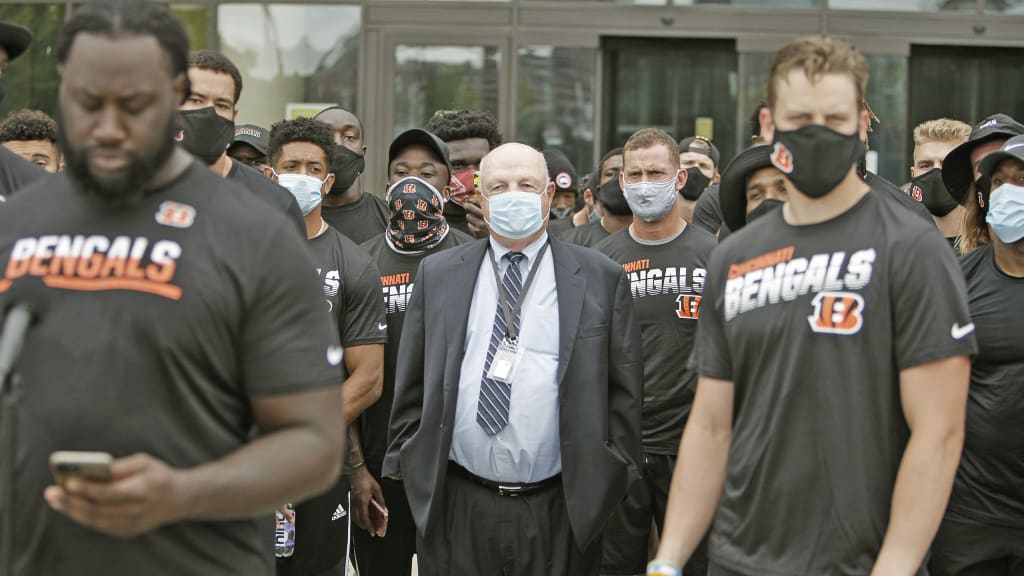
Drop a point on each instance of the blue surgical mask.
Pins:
(305, 189)
(516, 214)
(651, 201)
(1006, 212)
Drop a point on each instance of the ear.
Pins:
(549, 191)
(269, 173)
(717, 178)
(681, 180)
(865, 123)
(234, 115)
(328, 184)
(588, 197)
(767, 125)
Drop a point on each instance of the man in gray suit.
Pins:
(516, 421)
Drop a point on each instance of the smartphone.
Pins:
(94, 466)
(378, 518)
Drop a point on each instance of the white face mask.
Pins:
(651, 201)
(305, 189)
(515, 214)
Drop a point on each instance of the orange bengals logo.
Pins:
(175, 215)
(421, 205)
(408, 214)
(837, 313)
(409, 188)
(398, 204)
(782, 158)
(916, 193)
(422, 225)
(688, 307)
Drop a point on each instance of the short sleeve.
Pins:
(711, 355)
(706, 213)
(288, 341)
(364, 321)
(931, 320)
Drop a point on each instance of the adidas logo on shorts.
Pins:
(339, 513)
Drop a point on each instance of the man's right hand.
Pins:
(475, 217)
(364, 488)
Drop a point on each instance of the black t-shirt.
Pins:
(667, 283)
(269, 191)
(707, 213)
(351, 287)
(588, 235)
(892, 191)
(560, 227)
(361, 220)
(990, 482)
(16, 173)
(164, 321)
(813, 324)
(397, 275)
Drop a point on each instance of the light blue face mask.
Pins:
(1006, 212)
(305, 189)
(516, 214)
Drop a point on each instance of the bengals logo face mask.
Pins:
(816, 158)
(417, 219)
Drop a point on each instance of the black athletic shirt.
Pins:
(813, 324)
(883, 186)
(164, 321)
(351, 291)
(707, 213)
(588, 235)
(989, 485)
(560, 227)
(269, 191)
(667, 283)
(16, 173)
(397, 275)
(361, 220)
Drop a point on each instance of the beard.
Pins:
(128, 188)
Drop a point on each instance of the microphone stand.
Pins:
(9, 396)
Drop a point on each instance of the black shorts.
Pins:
(628, 531)
(963, 548)
(322, 526)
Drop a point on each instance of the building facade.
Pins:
(579, 75)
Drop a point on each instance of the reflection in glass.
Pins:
(556, 101)
(294, 54)
(196, 19)
(753, 84)
(887, 96)
(906, 5)
(671, 84)
(431, 78)
(761, 3)
(1005, 6)
(31, 80)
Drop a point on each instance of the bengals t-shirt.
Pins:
(164, 321)
(588, 235)
(989, 487)
(813, 325)
(397, 276)
(667, 283)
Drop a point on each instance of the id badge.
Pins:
(505, 362)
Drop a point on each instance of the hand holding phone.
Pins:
(378, 519)
(92, 466)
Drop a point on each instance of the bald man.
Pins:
(516, 420)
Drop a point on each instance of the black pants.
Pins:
(392, 554)
(488, 534)
(977, 549)
(629, 529)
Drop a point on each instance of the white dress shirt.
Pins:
(527, 449)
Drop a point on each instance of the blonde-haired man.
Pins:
(933, 140)
(835, 452)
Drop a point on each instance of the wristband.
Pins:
(662, 568)
(357, 466)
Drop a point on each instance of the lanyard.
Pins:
(511, 333)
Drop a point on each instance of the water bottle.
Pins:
(284, 534)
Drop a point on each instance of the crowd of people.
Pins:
(778, 364)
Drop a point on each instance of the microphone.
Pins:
(26, 301)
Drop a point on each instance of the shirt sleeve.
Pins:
(706, 213)
(931, 320)
(364, 320)
(288, 341)
(711, 356)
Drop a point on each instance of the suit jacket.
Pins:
(600, 382)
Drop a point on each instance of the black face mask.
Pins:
(929, 189)
(763, 208)
(205, 134)
(613, 200)
(816, 158)
(346, 166)
(696, 183)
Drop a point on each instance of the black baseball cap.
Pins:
(686, 145)
(561, 171)
(15, 39)
(419, 137)
(957, 172)
(254, 136)
(732, 192)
